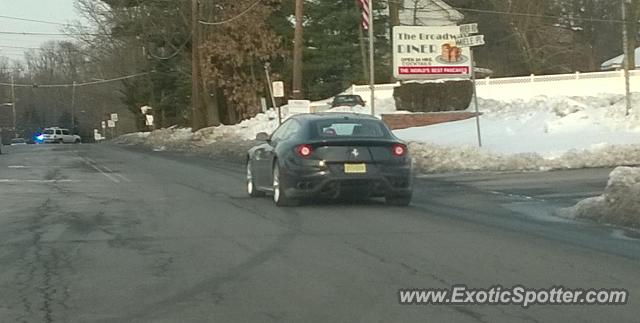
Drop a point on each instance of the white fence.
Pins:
(527, 87)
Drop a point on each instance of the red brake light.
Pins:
(304, 150)
(398, 150)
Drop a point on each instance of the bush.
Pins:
(434, 97)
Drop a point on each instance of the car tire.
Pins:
(403, 200)
(59, 141)
(77, 141)
(252, 190)
(279, 195)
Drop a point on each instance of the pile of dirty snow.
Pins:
(245, 130)
(162, 139)
(620, 203)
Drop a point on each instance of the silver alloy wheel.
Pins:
(276, 184)
(249, 179)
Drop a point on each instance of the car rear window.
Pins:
(349, 129)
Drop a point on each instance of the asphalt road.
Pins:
(97, 233)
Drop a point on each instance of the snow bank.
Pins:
(162, 139)
(245, 130)
(539, 134)
(548, 126)
(620, 203)
(430, 158)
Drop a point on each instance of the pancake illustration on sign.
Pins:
(451, 54)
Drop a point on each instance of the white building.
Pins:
(428, 13)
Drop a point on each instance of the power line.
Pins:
(230, 19)
(41, 21)
(19, 47)
(77, 84)
(518, 14)
(45, 34)
(521, 14)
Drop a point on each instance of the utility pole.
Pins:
(363, 52)
(73, 107)
(297, 51)
(394, 20)
(13, 106)
(196, 111)
(372, 78)
(626, 60)
(394, 14)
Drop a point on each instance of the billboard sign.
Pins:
(421, 52)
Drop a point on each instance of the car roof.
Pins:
(318, 116)
(347, 95)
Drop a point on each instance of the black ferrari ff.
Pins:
(330, 155)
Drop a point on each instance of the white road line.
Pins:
(18, 166)
(44, 181)
(113, 179)
(114, 173)
(110, 171)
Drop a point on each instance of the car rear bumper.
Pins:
(331, 181)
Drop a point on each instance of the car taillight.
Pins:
(304, 150)
(398, 150)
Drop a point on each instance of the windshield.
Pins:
(49, 132)
(340, 128)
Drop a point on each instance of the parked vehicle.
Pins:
(58, 136)
(348, 100)
(18, 142)
(330, 155)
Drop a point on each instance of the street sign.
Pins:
(104, 124)
(471, 41)
(149, 121)
(422, 52)
(145, 109)
(278, 89)
(114, 117)
(469, 29)
(111, 124)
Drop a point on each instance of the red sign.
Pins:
(427, 70)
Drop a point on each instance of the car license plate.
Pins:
(355, 168)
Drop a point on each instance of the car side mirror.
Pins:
(262, 136)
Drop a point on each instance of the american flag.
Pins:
(364, 4)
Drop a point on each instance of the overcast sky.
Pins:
(61, 11)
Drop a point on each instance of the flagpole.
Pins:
(371, 58)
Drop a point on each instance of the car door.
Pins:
(66, 136)
(264, 154)
(288, 134)
(58, 136)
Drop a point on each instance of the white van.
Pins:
(59, 136)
